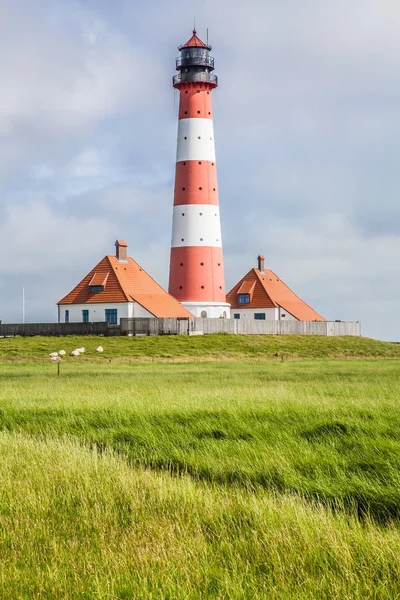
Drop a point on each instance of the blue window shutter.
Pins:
(112, 316)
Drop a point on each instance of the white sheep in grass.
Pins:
(53, 354)
(55, 358)
(61, 353)
(100, 349)
(81, 350)
(75, 353)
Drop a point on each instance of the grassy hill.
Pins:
(167, 474)
(205, 347)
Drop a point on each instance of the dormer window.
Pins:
(98, 282)
(243, 298)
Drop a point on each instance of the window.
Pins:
(85, 316)
(203, 314)
(236, 316)
(111, 316)
(259, 316)
(96, 288)
(243, 298)
(67, 316)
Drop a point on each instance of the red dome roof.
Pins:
(194, 42)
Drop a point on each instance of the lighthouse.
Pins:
(196, 275)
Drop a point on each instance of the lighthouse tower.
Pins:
(196, 276)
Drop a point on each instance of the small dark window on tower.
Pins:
(208, 92)
(201, 239)
(212, 164)
(186, 92)
(199, 137)
(198, 91)
(199, 162)
(184, 164)
(182, 239)
(209, 113)
(185, 112)
(220, 287)
(183, 189)
(181, 264)
(202, 287)
(219, 264)
(201, 214)
(202, 264)
(185, 137)
(183, 214)
(200, 188)
(180, 287)
(213, 189)
(198, 112)
(210, 138)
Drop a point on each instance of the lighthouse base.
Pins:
(209, 310)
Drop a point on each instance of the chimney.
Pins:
(121, 250)
(261, 259)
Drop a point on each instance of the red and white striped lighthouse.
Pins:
(196, 276)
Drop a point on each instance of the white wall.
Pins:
(97, 311)
(214, 310)
(271, 314)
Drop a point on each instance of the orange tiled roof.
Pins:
(194, 42)
(126, 282)
(270, 291)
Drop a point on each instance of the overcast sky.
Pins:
(307, 128)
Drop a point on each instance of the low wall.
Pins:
(152, 326)
(236, 326)
(57, 329)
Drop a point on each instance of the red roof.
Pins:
(270, 291)
(194, 42)
(126, 282)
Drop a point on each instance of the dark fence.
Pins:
(58, 329)
(153, 326)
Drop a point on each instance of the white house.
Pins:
(117, 287)
(262, 295)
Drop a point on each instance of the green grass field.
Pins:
(212, 467)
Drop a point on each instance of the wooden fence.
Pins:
(57, 329)
(146, 326)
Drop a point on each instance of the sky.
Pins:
(307, 130)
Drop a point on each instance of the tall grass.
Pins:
(326, 430)
(76, 525)
(231, 479)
